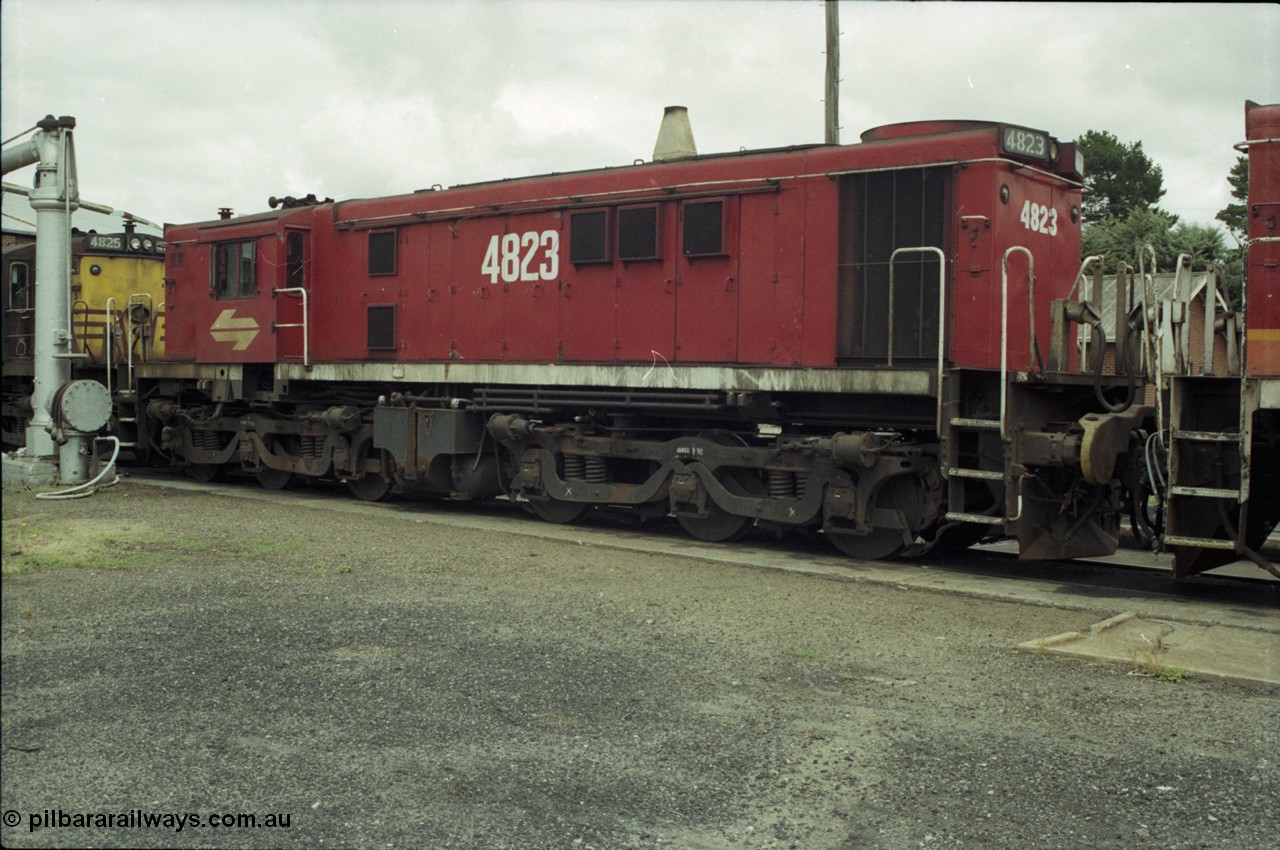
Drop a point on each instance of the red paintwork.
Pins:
(1262, 300)
(771, 300)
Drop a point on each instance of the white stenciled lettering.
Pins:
(1039, 219)
(530, 256)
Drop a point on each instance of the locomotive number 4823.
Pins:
(511, 256)
(1039, 219)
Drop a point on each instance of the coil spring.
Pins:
(312, 447)
(575, 468)
(782, 485)
(206, 439)
(597, 470)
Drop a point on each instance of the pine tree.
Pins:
(1234, 216)
(1118, 178)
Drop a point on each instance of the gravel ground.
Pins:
(393, 684)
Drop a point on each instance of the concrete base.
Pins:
(1167, 648)
(29, 473)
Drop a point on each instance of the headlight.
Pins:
(135, 242)
(148, 244)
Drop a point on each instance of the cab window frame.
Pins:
(233, 269)
(15, 286)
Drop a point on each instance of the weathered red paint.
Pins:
(1262, 278)
(768, 299)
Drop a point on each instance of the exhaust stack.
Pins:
(675, 136)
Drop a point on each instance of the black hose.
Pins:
(1122, 359)
(1233, 533)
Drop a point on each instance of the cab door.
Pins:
(291, 325)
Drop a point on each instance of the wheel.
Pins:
(370, 488)
(958, 537)
(902, 494)
(276, 479)
(719, 525)
(558, 512)
(204, 472)
(877, 546)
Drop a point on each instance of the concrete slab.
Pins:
(1171, 649)
(27, 473)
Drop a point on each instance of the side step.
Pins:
(955, 471)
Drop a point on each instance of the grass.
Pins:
(34, 544)
(1169, 673)
(1147, 662)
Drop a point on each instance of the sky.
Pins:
(186, 107)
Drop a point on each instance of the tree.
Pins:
(1118, 177)
(1122, 238)
(1235, 216)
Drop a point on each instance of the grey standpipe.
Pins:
(49, 438)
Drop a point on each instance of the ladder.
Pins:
(126, 402)
(1207, 465)
(958, 475)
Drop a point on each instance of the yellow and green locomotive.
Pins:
(117, 320)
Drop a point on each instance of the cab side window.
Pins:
(19, 286)
(232, 274)
(295, 259)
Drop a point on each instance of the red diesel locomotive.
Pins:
(853, 339)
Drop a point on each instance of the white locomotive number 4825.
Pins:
(512, 256)
(1039, 219)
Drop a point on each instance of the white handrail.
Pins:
(942, 312)
(297, 290)
(1004, 324)
(1082, 337)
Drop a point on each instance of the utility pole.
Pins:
(833, 72)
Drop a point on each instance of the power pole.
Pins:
(833, 72)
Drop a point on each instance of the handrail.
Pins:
(1211, 298)
(1082, 338)
(84, 333)
(108, 342)
(942, 311)
(1150, 313)
(128, 336)
(301, 291)
(1004, 324)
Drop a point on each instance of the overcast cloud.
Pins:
(183, 108)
